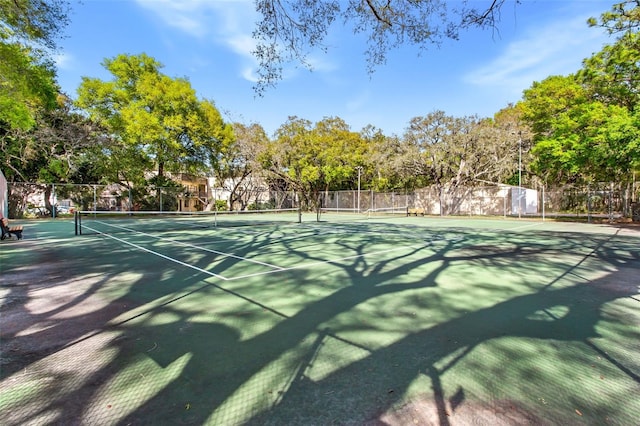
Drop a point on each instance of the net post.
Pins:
(215, 207)
(543, 212)
(299, 214)
(76, 221)
(54, 198)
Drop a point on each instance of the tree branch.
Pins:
(376, 14)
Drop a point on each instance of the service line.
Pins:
(213, 274)
(195, 246)
(171, 259)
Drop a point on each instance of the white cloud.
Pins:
(64, 61)
(226, 22)
(229, 23)
(242, 44)
(321, 63)
(185, 15)
(358, 102)
(249, 74)
(555, 49)
(199, 18)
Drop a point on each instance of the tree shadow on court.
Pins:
(52, 299)
(71, 317)
(217, 364)
(36, 326)
(377, 382)
(380, 379)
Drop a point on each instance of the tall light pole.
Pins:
(359, 169)
(519, 174)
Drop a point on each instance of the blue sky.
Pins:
(209, 42)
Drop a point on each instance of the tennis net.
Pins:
(335, 215)
(107, 222)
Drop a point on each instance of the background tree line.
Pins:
(576, 129)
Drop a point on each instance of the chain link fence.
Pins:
(29, 200)
(489, 201)
(354, 201)
(599, 201)
(604, 201)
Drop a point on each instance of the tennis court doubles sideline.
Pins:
(239, 267)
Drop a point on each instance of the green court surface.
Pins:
(402, 320)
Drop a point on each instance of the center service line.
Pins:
(195, 246)
(171, 259)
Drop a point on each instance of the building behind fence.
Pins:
(31, 200)
(607, 200)
(604, 201)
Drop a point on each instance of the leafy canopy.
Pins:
(34, 21)
(157, 117)
(586, 124)
(313, 158)
(29, 29)
(289, 29)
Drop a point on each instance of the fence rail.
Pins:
(52, 200)
(610, 201)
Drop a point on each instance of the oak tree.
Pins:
(158, 121)
(314, 158)
(239, 170)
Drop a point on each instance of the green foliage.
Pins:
(239, 170)
(613, 74)
(586, 125)
(623, 17)
(28, 85)
(584, 141)
(545, 101)
(62, 146)
(311, 158)
(261, 206)
(157, 119)
(221, 205)
(450, 152)
(35, 21)
(27, 29)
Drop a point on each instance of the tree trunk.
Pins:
(48, 190)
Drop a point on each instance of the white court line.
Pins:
(160, 254)
(320, 262)
(194, 246)
(336, 260)
(525, 226)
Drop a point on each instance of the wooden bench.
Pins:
(7, 230)
(415, 211)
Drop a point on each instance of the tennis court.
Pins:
(351, 320)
